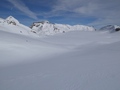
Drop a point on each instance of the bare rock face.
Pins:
(117, 29)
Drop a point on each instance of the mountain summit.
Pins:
(12, 20)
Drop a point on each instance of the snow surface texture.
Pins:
(68, 61)
(47, 28)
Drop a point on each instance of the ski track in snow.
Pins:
(70, 61)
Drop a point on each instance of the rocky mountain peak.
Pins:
(12, 20)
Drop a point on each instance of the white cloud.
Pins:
(23, 8)
(106, 11)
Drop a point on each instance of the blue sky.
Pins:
(87, 12)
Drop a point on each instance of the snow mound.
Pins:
(47, 28)
(110, 28)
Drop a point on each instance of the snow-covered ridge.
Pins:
(110, 28)
(12, 25)
(47, 28)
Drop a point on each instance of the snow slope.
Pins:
(47, 28)
(69, 61)
(16, 48)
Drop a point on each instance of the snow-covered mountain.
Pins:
(110, 28)
(12, 25)
(47, 28)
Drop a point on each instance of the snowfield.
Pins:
(74, 60)
(69, 61)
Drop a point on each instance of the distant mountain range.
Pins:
(45, 27)
(10, 24)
